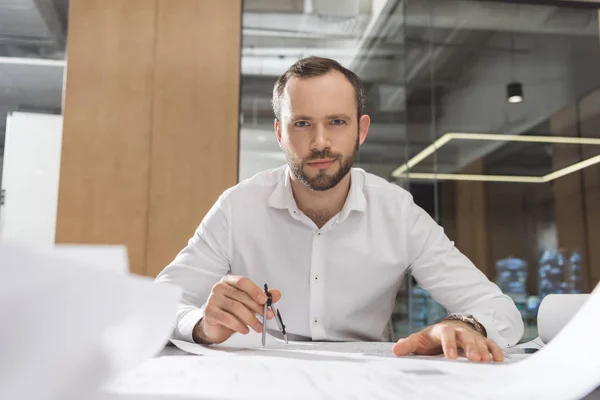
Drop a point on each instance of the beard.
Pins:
(323, 180)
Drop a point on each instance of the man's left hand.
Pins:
(447, 337)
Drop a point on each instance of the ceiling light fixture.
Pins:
(404, 171)
(514, 92)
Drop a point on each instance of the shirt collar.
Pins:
(283, 197)
(356, 200)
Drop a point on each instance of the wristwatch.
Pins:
(468, 319)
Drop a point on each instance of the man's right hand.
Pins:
(231, 307)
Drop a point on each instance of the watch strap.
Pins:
(468, 319)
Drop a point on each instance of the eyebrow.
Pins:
(338, 116)
(331, 116)
(301, 118)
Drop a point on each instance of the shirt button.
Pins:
(316, 278)
(315, 321)
(319, 234)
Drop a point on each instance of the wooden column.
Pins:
(105, 164)
(589, 116)
(196, 116)
(568, 191)
(471, 220)
(150, 122)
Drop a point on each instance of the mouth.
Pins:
(321, 163)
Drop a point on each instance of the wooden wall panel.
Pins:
(507, 226)
(107, 122)
(519, 215)
(151, 121)
(568, 190)
(196, 102)
(471, 221)
(448, 208)
(589, 114)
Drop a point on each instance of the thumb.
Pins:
(406, 346)
(275, 295)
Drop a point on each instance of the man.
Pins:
(335, 240)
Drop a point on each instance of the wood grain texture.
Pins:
(107, 122)
(472, 237)
(589, 114)
(507, 225)
(448, 208)
(195, 122)
(568, 190)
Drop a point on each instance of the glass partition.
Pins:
(511, 152)
(470, 103)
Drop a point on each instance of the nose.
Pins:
(321, 140)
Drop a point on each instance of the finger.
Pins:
(466, 340)
(484, 351)
(246, 285)
(239, 311)
(449, 345)
(275, 295)
(406, 346)
(229, 321)
(236, 294)
(497, 352)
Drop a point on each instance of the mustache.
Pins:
(318, 155)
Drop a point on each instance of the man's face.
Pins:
(319, 131)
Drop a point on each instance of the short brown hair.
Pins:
(317, 66)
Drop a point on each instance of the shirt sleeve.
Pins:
(454, 282)
(197, 268)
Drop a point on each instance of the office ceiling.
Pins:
(32, 49)
(398, 47)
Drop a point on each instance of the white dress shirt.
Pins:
(339, 282)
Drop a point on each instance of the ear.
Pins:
(363, 128)
(277, 127)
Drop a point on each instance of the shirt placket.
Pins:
(317, 300)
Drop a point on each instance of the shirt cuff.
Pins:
(187, 323)
(490, 328)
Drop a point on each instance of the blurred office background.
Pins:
(431, 68)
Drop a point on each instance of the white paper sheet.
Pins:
(555, 312)
(567, 368)
(68, 327)
(266, 377)
(341, 349)
(251, 345)
(108, 257)
(298, 350)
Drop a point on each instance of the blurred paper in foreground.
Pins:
(68, 328)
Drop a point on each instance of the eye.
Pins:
(338, 122)
(300, 124)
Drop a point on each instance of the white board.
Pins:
(30, 178)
